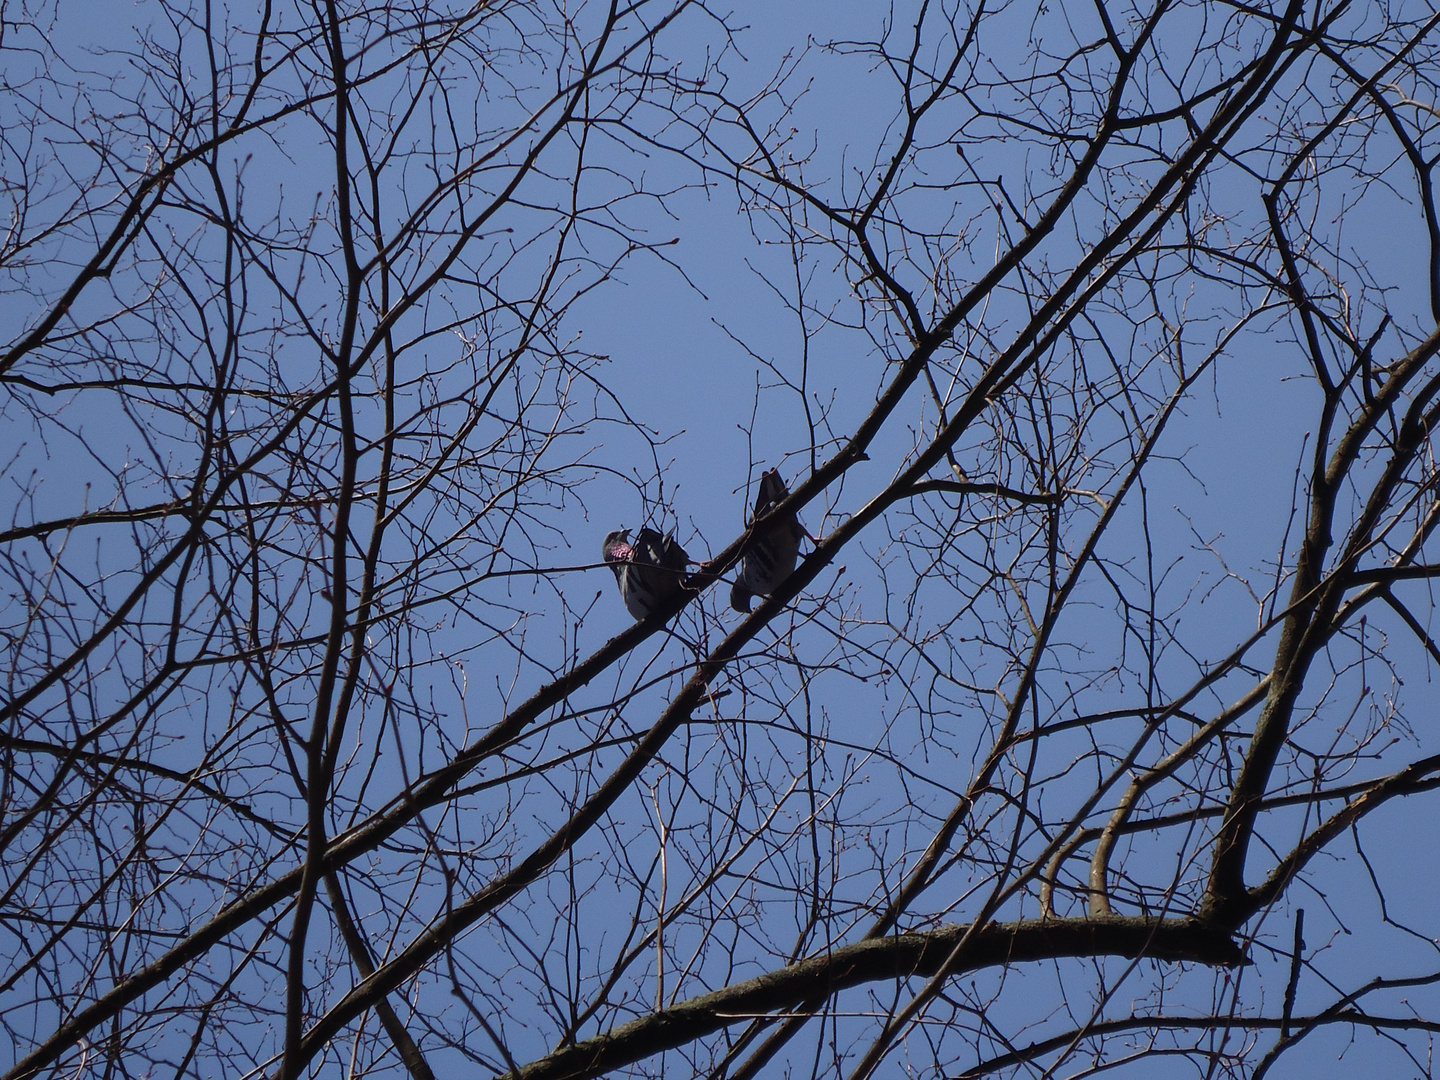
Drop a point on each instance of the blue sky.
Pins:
(836, 727)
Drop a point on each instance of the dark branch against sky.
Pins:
(1096, 349)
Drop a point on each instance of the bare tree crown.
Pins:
(1091, 729)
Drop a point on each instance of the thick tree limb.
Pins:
(892, 958)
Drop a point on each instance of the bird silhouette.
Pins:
(649, 571)
(771, 554)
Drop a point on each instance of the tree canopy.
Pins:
(1095, 350)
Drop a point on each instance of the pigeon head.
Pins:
(616, 547)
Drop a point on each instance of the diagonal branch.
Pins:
(901, 957)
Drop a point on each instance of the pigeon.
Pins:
(649, 572)
(772, 553)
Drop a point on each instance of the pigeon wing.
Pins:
(659, 565)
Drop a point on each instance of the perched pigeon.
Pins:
(771, 555)
(649, 571)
